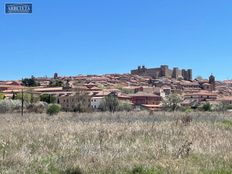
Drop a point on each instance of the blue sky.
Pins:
(114, 36)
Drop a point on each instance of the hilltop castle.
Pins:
(164, 71)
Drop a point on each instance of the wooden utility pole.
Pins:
(22, 103)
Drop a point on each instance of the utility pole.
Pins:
(22, 103)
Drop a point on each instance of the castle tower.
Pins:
(190, 74)
(164, 70)
(184, 74)
(175, 73)
(212, 82)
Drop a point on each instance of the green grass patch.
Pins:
(208, 164)
(226, 124)
(146, 170)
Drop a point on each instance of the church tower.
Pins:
(212, 82)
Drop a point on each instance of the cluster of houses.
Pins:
(140, 91)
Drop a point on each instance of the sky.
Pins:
(114, 36)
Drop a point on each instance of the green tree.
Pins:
(56, 83)
(48, 98)
(53, 109)
(26, 97)
(82, 103)
(172, 102)
(31, 82)
(110, 103)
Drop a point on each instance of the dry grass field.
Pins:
(126, 143)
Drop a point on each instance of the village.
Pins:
(143, 88)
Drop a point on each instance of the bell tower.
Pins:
(212, 82)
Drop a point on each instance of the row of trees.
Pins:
(29, 97)
(30, 82)
(55, 82)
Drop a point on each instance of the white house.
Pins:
(96, 101)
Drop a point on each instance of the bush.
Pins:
(9, 105)
(207, 107)
(53, 109)
(2, 96)
(76, 170)
(146, 170)
(38, 107)
(186, 119)
(124, 106)
(226, 123)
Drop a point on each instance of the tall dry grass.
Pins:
(116, 143)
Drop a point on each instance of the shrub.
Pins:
(124, 106)
(76, 170)
(9, 105)
(53, 109)
(146, 170)
(2, 96)
(226, 124)
(186, 119)
(229, 106)
(207, 107)
(38, 107)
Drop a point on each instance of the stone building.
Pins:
(163, 71)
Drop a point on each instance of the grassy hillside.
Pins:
(127, 143)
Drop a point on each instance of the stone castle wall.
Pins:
(163, 71)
